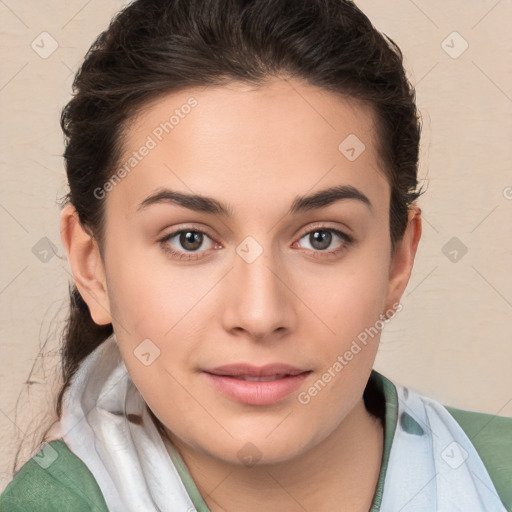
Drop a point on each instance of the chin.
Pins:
(260, 450)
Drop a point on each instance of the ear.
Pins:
(403, 257)
(86, 265)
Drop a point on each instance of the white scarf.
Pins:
(135, 471)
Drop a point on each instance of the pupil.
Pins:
(192, 238)
(324, 239)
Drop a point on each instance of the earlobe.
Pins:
(86, 265)
(403, 257)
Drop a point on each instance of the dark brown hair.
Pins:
(154, 47)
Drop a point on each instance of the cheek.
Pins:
(351, 309)
(148, 296)
(153, 312)
(352, 295)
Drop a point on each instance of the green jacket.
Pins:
(57, 480)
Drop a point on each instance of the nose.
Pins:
(258, 302)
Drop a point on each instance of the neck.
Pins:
(343, 469)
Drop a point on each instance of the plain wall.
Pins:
(452, 340)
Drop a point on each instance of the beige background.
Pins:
(452, 341)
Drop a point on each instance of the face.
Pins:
(258, 274)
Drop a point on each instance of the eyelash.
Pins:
(164, 242)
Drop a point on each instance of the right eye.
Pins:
(190, 240)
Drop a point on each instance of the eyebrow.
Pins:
(210, 205)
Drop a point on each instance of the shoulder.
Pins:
(492, 438)
(55, 479)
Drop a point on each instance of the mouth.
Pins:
(252, 385)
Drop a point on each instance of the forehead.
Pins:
(247, 144)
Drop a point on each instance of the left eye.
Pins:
(321, 238)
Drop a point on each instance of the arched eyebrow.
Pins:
(326, 197)
(206, 204)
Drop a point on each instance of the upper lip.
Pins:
(244, 369)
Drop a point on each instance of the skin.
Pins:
(256, 150)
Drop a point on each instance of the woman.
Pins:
(241, 225)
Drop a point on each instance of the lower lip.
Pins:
(257, 392)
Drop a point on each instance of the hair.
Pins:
(154, 47)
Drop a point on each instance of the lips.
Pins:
(256, 385)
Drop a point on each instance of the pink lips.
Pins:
(255, 385)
